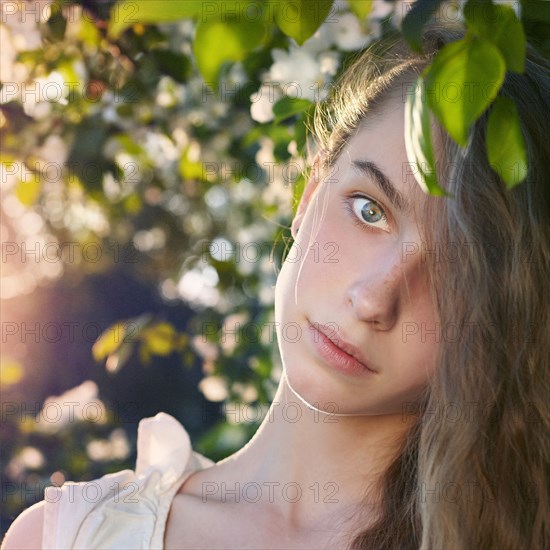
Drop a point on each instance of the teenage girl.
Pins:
(413, 411)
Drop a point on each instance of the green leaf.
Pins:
(159, 339)
(88, 32)
(421, 12)
(361, 8)
(128, 144)
(499, 25)
(117, 335)
(109, 341)
(418, 141)
(133, 203)
(505, 143)
(11, 371)
(176, 65)
(67, 71)
(126, 13)
(217, 42)
(535, 11)
(190, 168)
(461, 82)
(57, 24)
(297, 192)
(28, 190)
(299, 19)
(289, 106)
(300, 132)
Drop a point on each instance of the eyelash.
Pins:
(363, 225)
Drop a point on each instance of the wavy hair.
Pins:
(474, 469)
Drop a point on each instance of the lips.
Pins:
(336, 338)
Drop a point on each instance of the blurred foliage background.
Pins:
(152, 155)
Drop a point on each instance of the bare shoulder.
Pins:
(26, 531)
(197, 523)
(191, 523)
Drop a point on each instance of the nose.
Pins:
(374, 297)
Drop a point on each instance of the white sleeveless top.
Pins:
(124, 509)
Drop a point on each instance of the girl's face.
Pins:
(358, 267)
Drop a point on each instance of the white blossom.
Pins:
(261, 109)
(213, 388)
(320, 41)
(347, 33)
(28, 458)
(380, 9)
(75, 405)
(297, 72)
(116, 447)
(329, 62)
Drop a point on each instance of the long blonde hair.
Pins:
(474, 470)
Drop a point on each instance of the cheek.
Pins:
(417, 357)
(311, 264)
(288, 293)
(418, 299)
(421, 339)
(420, 330)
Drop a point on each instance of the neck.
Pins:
(310, 465)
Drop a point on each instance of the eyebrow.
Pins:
(371, 170)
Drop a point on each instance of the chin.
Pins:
(312, 387)
(320, 391)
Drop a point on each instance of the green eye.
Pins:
(372, 212)
(367, 212)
